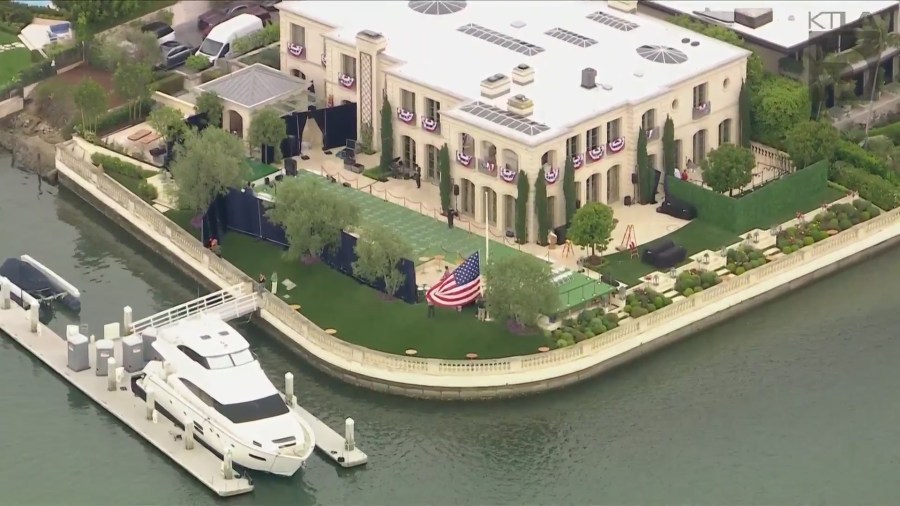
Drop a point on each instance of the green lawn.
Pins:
(362, 316)
(699, 235)
(259, 170)
(12, 61)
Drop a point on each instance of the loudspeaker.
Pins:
(290, 167)
(634, 178)
(456, 190)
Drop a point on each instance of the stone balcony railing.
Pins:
(702, 109)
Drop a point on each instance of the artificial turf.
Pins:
(259, 170)
(362, 316)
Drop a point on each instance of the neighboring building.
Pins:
(512, 87)
(782, 32)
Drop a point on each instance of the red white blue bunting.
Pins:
(406, 116)
(346, 81)
(616, 145)
(508, 175)
(429, 124)
(578, 161)
(463, 159)
(324, 60)
(296, 50)
(595, 154)
(551, 175)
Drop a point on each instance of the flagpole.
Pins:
(487, 241)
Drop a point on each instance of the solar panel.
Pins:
(499, 39)
(571, 37)
(612, 21)
(503, 118)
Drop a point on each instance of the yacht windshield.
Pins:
(242, 357)
(210, 47)
(251, 411)
(225, 361)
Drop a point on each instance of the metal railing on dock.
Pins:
(228, 304)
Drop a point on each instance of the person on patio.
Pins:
(417, 177)
(482, 312)
(214, 246)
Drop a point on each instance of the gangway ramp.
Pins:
(228, 304)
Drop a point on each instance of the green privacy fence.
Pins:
(769, 205)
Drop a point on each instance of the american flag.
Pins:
(461, 287)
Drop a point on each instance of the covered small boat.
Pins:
(39, 282)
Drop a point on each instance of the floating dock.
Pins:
(112, 393)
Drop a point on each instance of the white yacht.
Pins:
(206, 376)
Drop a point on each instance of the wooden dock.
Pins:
(52, 349)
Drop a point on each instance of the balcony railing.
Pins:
(653, 133)
(488, 167)
(702, 109)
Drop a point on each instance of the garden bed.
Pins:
(643, 301)
(744, 258)
(832, 221)
(128, 175)
(695, 281)
(590, 323)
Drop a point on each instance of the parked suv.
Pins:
(162, 31)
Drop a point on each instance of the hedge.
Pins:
(120, 117)
(761, 208)
(871, 187)
(115, 165)
(139, 187)
(891, 131)
(170, 84)
(857, 156)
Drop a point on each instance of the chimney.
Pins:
(523, 74)
(589, 78)
(495, 86)
(521, 105)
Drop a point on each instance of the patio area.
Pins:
(140, 141)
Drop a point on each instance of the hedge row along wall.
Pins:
(762, 208)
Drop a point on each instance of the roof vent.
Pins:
(638, 73)
(685, 40)
(372, 34)
(495, 86)
(518, 24)
(753, 18)
(607, 87)
(523, 74)
(695, 43)
(521, 105)
(589, 78)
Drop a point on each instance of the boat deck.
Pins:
(52, 349)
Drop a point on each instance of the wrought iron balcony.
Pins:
(702, 109)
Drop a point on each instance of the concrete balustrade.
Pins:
(461, 379)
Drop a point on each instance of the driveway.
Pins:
(185, 19)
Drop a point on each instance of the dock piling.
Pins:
(111, 374)
(4, 294)
(289, 397)
(227, 469)
(33, 316)
(127, 320)
(189, 434)
(151, 403)
(349, 437)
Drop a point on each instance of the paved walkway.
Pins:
(10, 47)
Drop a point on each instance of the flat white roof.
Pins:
(792, 20)
(209, 336)
(454, 52)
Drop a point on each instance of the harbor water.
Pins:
(791, 403)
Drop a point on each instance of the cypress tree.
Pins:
(569, 189)
(446, 186)
(387, 134)
(668, 139)
(744, 112)
(645, 178)
(540, 207)
(522, 209)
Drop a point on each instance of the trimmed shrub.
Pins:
(197, 63)
(695, 280)
(114, 165)
(170, 84)
(744, 258)
(853, 154)
(643, 301)
(871, 187)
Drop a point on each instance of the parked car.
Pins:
(163, 32)
(209, 19)
(218, 43)
(173, 54)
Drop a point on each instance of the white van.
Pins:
(218, 43)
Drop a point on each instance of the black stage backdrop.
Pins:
(243, 212)
(338, 125)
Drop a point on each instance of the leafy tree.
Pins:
(446, 184)
(777, 104)
(134, 80)
(874, 38)
(379, 252)
(754, 63)
(267, 129)
(646, 191)
(593, 226)
(569, 195)
(169, 122)
(312, 217)
(387, 135)
(811, 141)
(90, 98)
(670, 160)
(728, 168)
(207, 164)
(210, 104)
(520, 288)
(540, 207)
(522, 209)
(127, 46)
(744, 113)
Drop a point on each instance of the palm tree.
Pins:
(829, 70)
(873, 40)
